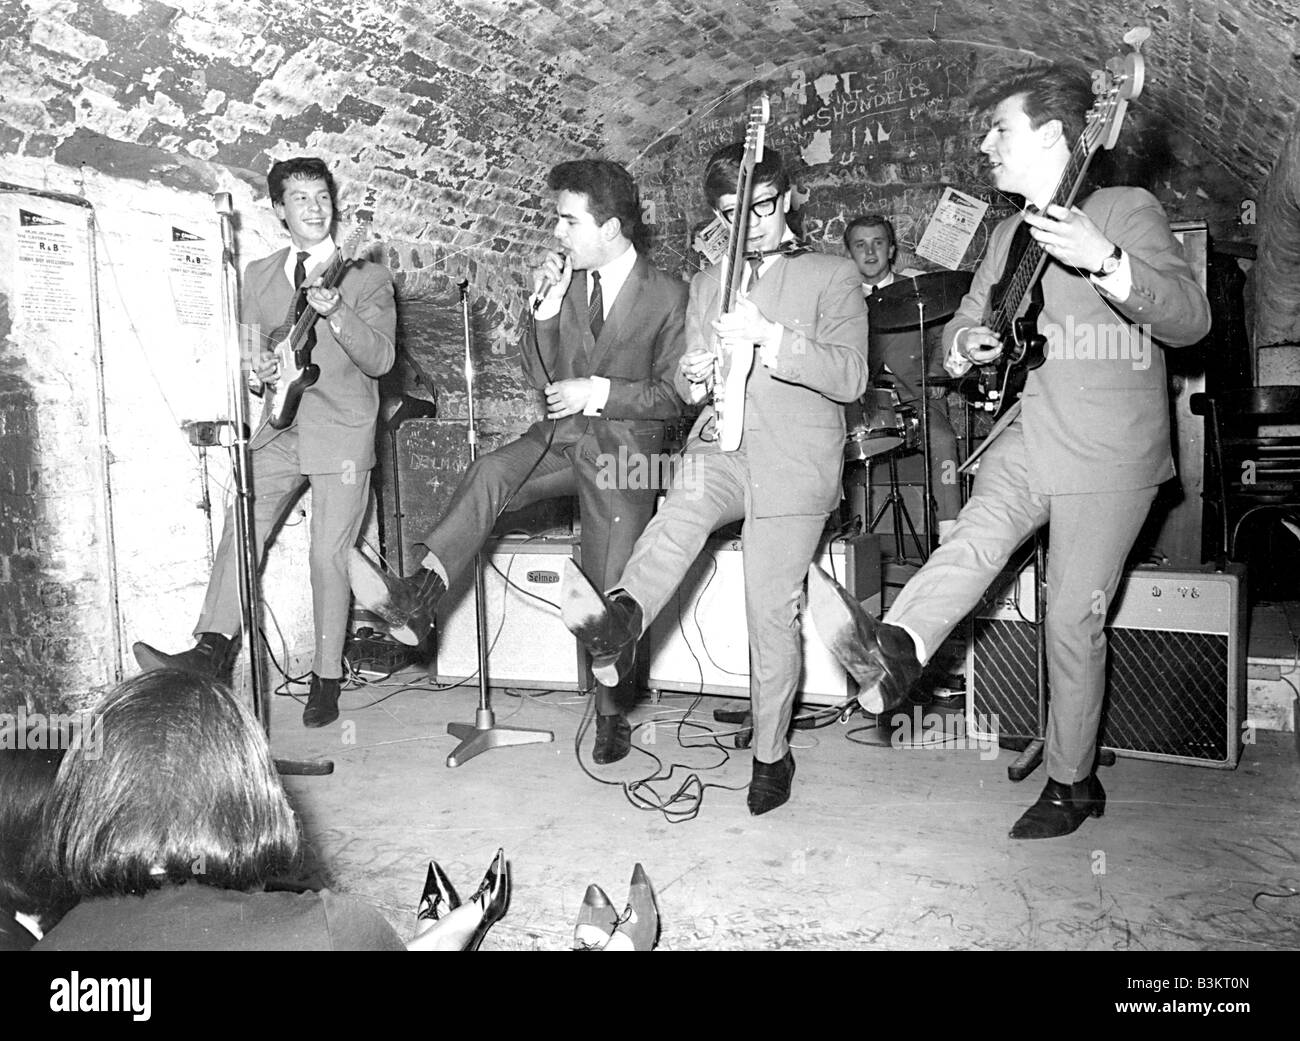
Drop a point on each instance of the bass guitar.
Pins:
(292, 342)
(731, 363)
(1017, 299)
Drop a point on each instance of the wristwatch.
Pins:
(1110, 265)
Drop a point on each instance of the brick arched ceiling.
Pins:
(480, 87)
(442, 116)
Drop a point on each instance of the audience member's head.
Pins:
(184, 790)
(26, 779)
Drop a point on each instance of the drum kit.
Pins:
(882, 425)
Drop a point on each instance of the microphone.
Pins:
(550, 283)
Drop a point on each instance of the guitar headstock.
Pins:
(1116, 85)
(756, 130)
(356, 247)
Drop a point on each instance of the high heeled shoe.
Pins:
(638, 928)
(439, 896)
(596, 921)
(492, 898)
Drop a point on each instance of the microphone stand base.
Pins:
(483, 735)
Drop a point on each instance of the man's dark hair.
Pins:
(609, 190)
(1053, 92)
(870, 220)
(304, 167)
(724, 167)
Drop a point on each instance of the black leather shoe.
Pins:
(212, 657)
(322, 703)
(492, 897)
(1061, 809)
(769, 787)
(608, 626)
(881, 658)
(613, 739)
(406, 604)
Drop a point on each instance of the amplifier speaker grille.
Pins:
(1174, 694)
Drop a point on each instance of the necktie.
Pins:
(754, 264)
(299, 277)
(596, 306)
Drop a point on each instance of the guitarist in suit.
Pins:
(1086, 453)
(604, 342)
(805, 313)
(330, 443)
(870, 242)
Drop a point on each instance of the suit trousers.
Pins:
(338, 508)
(714, 491)
(612, 514)
(1091, 535)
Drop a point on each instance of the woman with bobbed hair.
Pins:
(170, 834)
(29, 901)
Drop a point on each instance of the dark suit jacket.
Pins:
(640, 345)
(1096, 413)
(794, 413)
(336, 418)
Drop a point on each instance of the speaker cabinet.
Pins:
(529, 646)
(700, 642)
(1175, 675)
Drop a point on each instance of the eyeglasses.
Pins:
(757, 208)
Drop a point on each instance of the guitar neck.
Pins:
(734, 266)
(1030, 266)
(329, 279)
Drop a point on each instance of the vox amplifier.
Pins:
(1175, 675)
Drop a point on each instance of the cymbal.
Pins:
(894, 308)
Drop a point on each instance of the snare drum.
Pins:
(874, 424)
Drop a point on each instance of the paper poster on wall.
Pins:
(51, 269)
(192, 269)
(956, 220)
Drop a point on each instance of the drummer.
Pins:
(870, 242)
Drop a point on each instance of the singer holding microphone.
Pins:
(602, 343)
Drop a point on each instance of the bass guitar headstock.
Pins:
(1116, 85)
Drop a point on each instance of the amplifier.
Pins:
(700, 642)
(1175, 675)
(431, 458)
(528, 645)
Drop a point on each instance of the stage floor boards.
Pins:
(879, 848)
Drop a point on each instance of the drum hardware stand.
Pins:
(483, 734)
(234, 435)
(900, 512)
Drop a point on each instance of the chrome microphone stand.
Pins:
(483, 734)
(237, 440)
(927, 481)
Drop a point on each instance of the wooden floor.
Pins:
(879, 848)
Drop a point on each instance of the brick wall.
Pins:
(441, 119)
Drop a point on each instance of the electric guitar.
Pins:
(731, 366)
(1017, 299)
(292, 342)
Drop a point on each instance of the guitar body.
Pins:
(297, 372)
(731, 374)
(294, 340)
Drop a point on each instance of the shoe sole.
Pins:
(583, 611)
(839, 621)
(371, 591)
